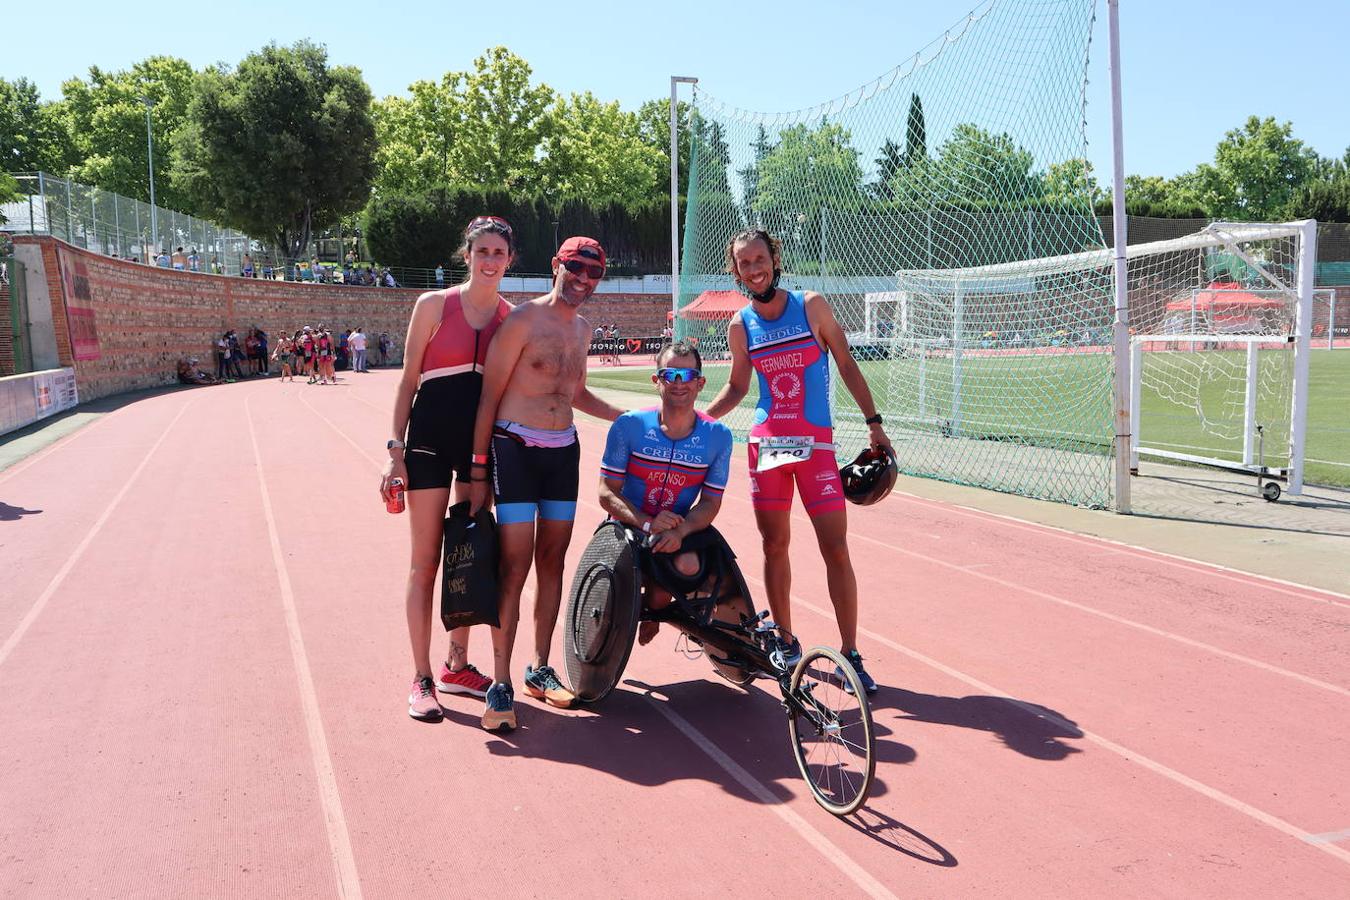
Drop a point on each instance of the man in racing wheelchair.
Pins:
(662, 474)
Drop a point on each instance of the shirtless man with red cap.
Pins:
(534, 375)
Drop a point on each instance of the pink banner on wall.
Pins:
(79, 307)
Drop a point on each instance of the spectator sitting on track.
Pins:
(188, 373)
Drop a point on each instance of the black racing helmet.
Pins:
(870, 476)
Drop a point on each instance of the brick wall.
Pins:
(147, 318)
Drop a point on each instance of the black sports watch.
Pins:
(873, 420)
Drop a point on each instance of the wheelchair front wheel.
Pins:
(830, 722)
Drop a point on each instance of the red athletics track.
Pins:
(204, 661)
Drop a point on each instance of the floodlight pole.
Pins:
(675, 81)
(150, 146)
(1120, 239)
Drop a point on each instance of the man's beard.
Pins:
(768, 294)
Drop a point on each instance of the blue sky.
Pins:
(1192, 70)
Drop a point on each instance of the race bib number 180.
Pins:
(781, 451)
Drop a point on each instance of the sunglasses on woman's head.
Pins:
(577, 267)
(676, 375)
(483, 221)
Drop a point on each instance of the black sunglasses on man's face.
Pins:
(577, 267)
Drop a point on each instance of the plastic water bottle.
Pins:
(396, 501)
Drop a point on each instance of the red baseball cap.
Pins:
(582, 248)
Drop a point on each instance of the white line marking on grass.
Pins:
(41, 602)
(1158, 768)
(335, 821)
(822, 844)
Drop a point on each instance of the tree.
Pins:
(808, 172)
(594, 151)
(505, 120)
(1326, 200)
(654, 127)
(33, 135)
(889, 163)
(1070, 185)
(1257, 169)
(977, 167)
(749, 175)
(9, 192)
(279, 146)
(105, 117)
(419, 137)
(916, 133)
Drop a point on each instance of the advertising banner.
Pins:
(80, 318)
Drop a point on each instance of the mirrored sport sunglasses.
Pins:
(676, 375)
(577, 267)
(479, 222)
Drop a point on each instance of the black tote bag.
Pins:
(469, 569)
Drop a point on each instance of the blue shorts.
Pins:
(527, 480)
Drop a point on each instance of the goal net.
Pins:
(1219, 347)
(970, 154)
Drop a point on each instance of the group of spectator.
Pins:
(608, 332)
(316, 353)
(316, 272)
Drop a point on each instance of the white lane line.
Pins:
(379, 465)
(1111, 617)
(41, 602)
(335, 821)
(1330, 837)
(817, 840)
(822, 844)
(1278, 585)
(1124, 752)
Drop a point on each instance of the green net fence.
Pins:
(892, 202)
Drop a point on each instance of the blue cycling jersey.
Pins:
(664, 473)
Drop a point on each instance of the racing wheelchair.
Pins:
(829, 720)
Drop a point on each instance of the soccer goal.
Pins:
(1219, 349)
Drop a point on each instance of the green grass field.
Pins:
(1012, 397)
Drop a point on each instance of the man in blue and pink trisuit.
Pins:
(664, 470)
(786, 337)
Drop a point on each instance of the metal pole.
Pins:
(150, 146)
(675, 81)
(1298, 423)
(1331, 321)
(1120, 238)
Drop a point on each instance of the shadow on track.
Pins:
(14, 513)
(627, 737)
(899, 836)
(1030, 729)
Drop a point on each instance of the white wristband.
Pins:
(647, 527)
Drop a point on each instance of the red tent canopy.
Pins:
(1226, 296)
(714, 305)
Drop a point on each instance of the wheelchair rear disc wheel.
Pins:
(602, 614)
(832, 737)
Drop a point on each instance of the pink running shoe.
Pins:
(422, 702)
(467, 680)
